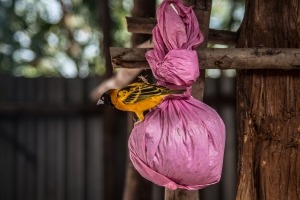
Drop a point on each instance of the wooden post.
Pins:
(268, 109)
(181, 194)
(202, 10)
(136, 187)
(109, 113)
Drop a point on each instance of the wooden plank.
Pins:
(56, 95)
(42, 133)
(90, 85)
(41, 90)
(31, 161)
(94, 153)
(51, 159)
(10, 87)
(7, 88)
(20, 90)
(8, 127)
(56, 174)
(3, 160)
(31, 90)
(241, 58)
(75, 158)
(145, 26)
(53, 86)
(140, 25)
(2, 88)
(61, 157)
(76, 141)
(75, 91)
(21, 159)
(41, 158)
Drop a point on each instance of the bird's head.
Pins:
(105, 99)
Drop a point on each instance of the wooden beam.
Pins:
(135, 186)
(242, 58)
(222, 37)
(145, 26)
(140, 25)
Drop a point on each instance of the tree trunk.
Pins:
(268, 106)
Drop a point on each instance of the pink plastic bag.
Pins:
(180, 144)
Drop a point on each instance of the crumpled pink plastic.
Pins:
(180, 144)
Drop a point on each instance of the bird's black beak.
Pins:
(100, 102)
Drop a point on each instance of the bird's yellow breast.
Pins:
(139, 106)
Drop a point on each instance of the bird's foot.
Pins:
(137, 122)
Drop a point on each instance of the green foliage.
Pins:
(119, 10)
(63, 37)
(227, 14)
(49, 38)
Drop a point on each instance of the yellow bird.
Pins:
(136, 97)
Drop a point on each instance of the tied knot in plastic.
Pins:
(180, 144)
(174, 60)
(179, 67)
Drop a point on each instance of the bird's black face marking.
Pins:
(107, 100)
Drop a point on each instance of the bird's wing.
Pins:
(138, 91)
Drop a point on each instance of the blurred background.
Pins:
(55, 143)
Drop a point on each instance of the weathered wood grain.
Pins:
(212, 58)
(268, 109)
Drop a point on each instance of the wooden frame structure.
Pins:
(231, 58)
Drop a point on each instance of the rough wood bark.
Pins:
(268, 107)
(145, 25)
(136, 187)
(242, 58)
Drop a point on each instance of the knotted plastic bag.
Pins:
(180, 144)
